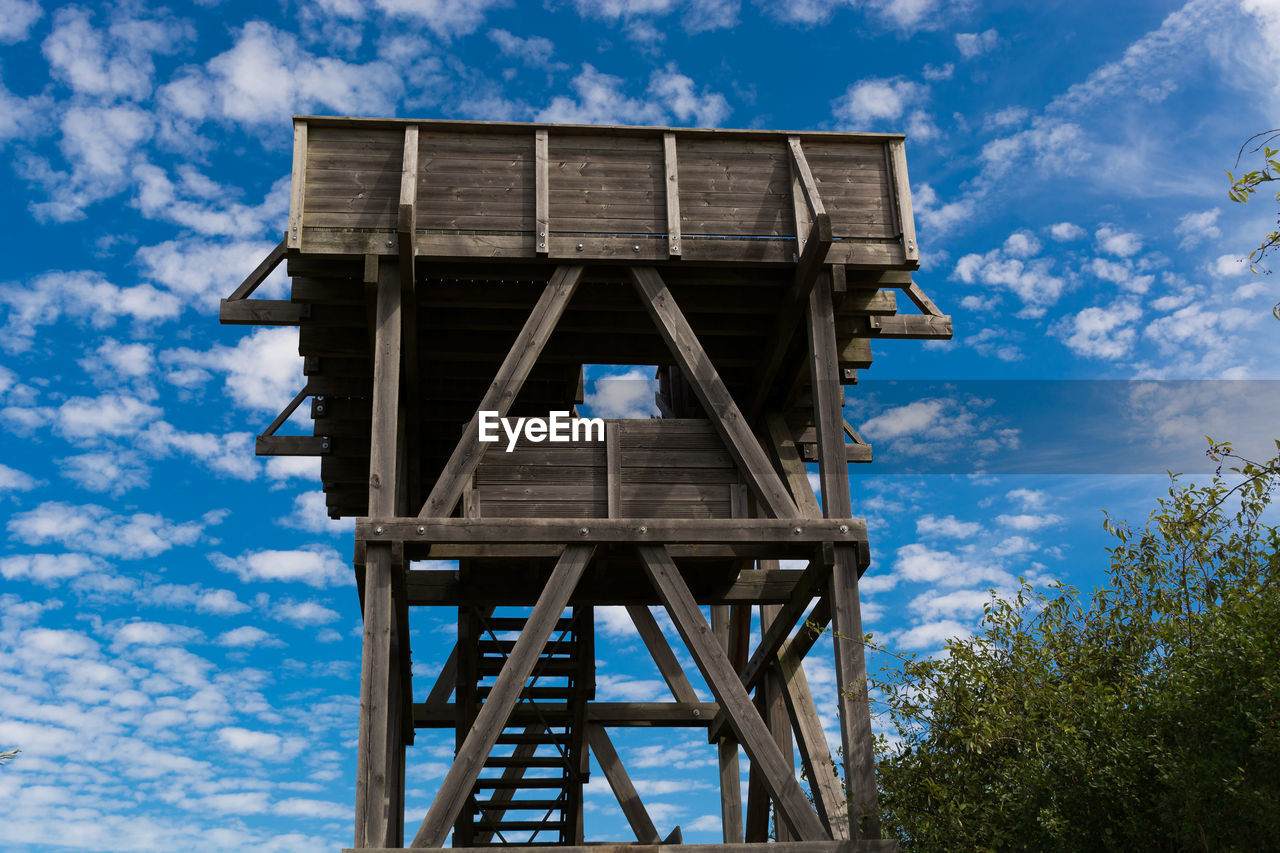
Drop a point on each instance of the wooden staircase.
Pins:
(530, 791)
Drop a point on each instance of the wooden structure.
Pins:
(444, 269)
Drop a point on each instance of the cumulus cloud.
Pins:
(112, 471)
(48, 569)
(625, 395)
(203, 272)
(98, 530)
(936, 215)
(696, 15)
(976, 44)
(312, 515)
(247, 636)
(1100, 331)
(933, 427)
(1065, 232)
(110, 415)
(16, 19)
(1195, 228)
(886, 103)
(1123, 244)
(83, 297)
(948, 526)
(13, 480)
(1028, 521)
(601, 99)
(1012, 268)
(318, 566)
(262, 371)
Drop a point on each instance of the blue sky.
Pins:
(179, 633)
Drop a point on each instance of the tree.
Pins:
(1145, 716)
(1245, 186)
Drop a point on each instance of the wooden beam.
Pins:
(779, 722)
(374, 769)
(297, 185)
(727, 747)
(447, 678)
(800, 165)
(902, 200)
(751, 731)
(502, 698)
(620, 782)
(673, 193)
(407, 212)
(808, 269)
(797, 477)
(815, 755)
(260, 272)
(541, 193)
(663, 657)
(550, 531)
(618, 714)
(856, 736)
(501, 796)
(503, 390)
(914, 327)
(711, 392)
(613, 468)
(262, 312)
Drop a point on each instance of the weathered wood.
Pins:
(920, 327)
(807, 184)
(372, 771)
(618, 531)
(542, 191)
(260, 272)
(776, 714)
(613, 468)
(262, 312)
(751, 731)
(673, 194)
(503, 390)
(620, 783)
(501, 796)
(663, 657)
(711, 392)
(784, 446)
(466, 766)
(727, 747)
(297, 185)
(815, 755)
(902, 198)
(407, 210)
(863, 846)
(857, 739)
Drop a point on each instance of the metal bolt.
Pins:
(697, 712)
(643, 529)
(579, 247)
(636, 248)
(844, 528)
(582, 531)
(542, 245)
(796, 530)
(675, 247)
(422, 531)
(324, 445)
(389, 244)
(378, 530)
(542, 233)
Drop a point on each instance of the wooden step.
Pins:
(524, 737)
(516, 623)
(515, 784)
(561, 650)
(561, 693)
(514, 825)
(522, 805)
(532, 761)
(549, 666)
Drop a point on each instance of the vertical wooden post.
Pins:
(846, 616)
(730, 772)
(779, 721)
(375, 770)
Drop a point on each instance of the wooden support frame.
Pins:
(407, 211)
(502, 698)
(851, 673)
(618, 531)
(620, 783)
(541, 193)
(660, 651)
(297, 185)
(376, 770)
(711, 392)
(503, 390)
(777, 774)
(902, 198)
(726, 746)
(501, 796)
(815, 755)
(270, 444)
(670, 161)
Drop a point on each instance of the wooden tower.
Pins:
(440, 270)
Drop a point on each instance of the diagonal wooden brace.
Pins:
(776, 772)
(502, 698)
(503, 390)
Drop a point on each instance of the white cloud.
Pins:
(1100, 331)
(111, 62)
(936, 216)
(109, 415)
(263, 745)
(13, 480)
(931, 634)
(303, 613)
(201, 599)
(601, 100)
(230, 453)
(16, 19)
(534, 51)
(1066, 231)
(247, 636)
(1010, 268)
(624, 395)
(98, 530)
(85, 297)
(203, 272)
(950, 526)
(1028, 498)
(312, 515)
(1121, 243)
(931, 428)
(1195, 228)
(1122, 273)
(318, 566)
(112, 471)
(698, 15)
(47, 569)
(1027, 521)
(960, 602)
(1227, 266)
(153, 634)
(263, 371)
(445, 18)
(882, 102)
(976, 44)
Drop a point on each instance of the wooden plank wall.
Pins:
(665, 468)
(606, 193)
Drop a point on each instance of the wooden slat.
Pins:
(542, 191)
(613, 468)
(711, 391)
(850, 658)
(815, 755)
(805, 176)
(462, 774)
(726, 746)
(407, 211)
(503, 390)
(673, 194)
(902, 195)
(297, 185)
(778, 775)
(620, 782)
(917, 327)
